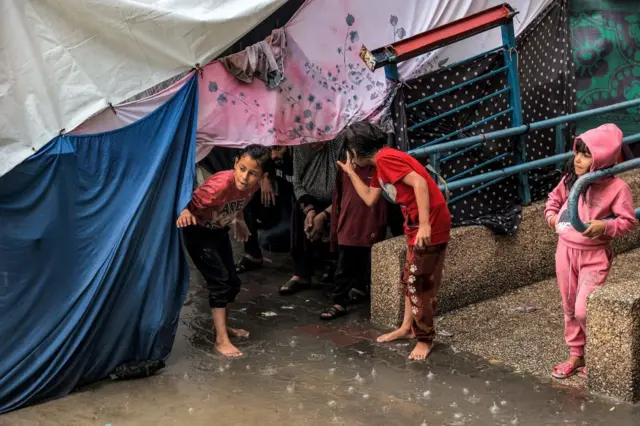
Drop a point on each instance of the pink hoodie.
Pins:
(605, 198)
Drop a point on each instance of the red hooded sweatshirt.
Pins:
(605, 197)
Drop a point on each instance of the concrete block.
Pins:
(613, 334)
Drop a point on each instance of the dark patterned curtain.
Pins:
(546, 81)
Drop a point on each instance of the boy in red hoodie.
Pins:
(427, 226)
(583, 259)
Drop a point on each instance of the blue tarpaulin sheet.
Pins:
(92, 273)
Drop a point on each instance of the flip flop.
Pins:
(293, 286)
(565, 370)
(333, 312)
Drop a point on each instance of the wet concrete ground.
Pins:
(299, 371)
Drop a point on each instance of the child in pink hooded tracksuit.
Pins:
(583, 259)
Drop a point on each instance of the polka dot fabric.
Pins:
(546, 81)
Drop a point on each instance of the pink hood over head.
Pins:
(605, 144)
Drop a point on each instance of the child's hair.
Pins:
(261, 155)
(364, 139)
(570, 176)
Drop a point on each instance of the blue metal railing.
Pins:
(514, 109)
(520, 168)
(591, 177)
(461, 146)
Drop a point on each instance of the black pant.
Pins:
(305, 254)
(210, 251)
(353, 271)
(275, 222)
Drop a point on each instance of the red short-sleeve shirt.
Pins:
(391, 167)
(218, 200)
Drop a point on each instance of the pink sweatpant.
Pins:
(579, 272)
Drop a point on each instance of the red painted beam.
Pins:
(438, 37)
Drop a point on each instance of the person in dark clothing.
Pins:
(314, 171)
(355, 227)
(270, 210)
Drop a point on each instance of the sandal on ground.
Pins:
(332, 313)
(293, 286)
(564, 370)
(246, 264)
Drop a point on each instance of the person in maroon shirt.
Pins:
(427, 225)
(355, 227)
(215, 206)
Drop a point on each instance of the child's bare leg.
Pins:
(223, 344)
(404, 332)
(235, 332)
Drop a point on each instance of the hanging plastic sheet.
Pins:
(63, 61)
(326, 85)
(92, 273)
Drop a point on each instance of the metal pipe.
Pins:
(456, 87)
(460, 108)
(589, 178)
(461, 152)
(514, 131)
(478, 166)
(469, 127)
(474, 190)
(519, 168)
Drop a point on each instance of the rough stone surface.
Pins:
(532, 340)
(481, 265)
(388, 259)
(613, 352)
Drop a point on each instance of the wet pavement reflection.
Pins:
(299, 371)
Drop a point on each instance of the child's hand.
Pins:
(552, 221)
(186, 219)
(240, 231)
(423, 237)
(347, 166)
(595, 230)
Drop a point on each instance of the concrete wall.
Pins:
(479, 264)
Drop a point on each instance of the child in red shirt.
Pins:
(215, 206)
(427, 225)
(355, 227)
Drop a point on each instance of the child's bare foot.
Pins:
(237, 332)
(401, 333)
(421, 351)
(227, 349)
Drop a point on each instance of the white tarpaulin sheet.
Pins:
(61, 61)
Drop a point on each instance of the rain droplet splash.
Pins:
(426, 394)
(494, 408)
(430, 376)
(358, 378)
(291, 388)
(331, 403)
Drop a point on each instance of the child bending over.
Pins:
(215, 206)
(583, 259)
(427, 226)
